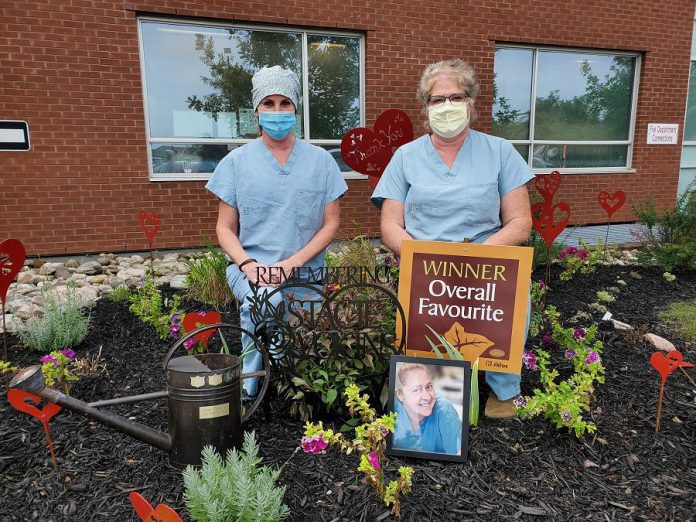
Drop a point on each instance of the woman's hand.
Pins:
(258, 274)
(281, 270)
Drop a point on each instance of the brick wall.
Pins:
(71, 69)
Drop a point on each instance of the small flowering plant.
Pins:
(370, 443)
(563, 402)
(57, 368)
(539, 291)
(582, 259)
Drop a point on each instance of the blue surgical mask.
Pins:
(277, 124)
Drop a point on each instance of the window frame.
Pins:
(271, 28)
(530, 142)
(685, 142)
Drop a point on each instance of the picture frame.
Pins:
(442, 414)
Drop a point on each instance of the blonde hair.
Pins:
(457, 69)
(404, 368)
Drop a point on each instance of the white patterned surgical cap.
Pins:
(275, 80)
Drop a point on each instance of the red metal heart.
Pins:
(611, 202)
(367, 151)
(543, 219)
(548, 184)
(667, 364)
(150, 224)
(12, 256)
(195, 320)
(18, 399)
(142, 507)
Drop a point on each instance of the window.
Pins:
(687, 174)
(197, 89)
(566, 109)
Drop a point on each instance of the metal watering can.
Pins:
(203, 397)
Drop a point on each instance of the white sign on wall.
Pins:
(663, 133)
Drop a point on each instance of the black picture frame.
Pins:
(395, 444)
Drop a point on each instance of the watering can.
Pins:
(203, 394)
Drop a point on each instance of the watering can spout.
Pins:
(31, 380)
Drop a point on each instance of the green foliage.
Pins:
(670, 278)
(583, 260)
(6, 367)
(206, 280)
(235, 489)
(149, 306)
(605, 297)
(540, 255)
(669, 236)
(539, 291)
(64, 322)
(682, 316)
(120, 293)
(562, 402)
(57, 368)
(369, 444)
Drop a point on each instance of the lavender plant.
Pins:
(563, 402)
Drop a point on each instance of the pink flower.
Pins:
(593, 357)
(569, 354)
(373, 459)
(583, 254)
(314, 445)
(579, 334)
(46, 359)
(69, 354)
(174, 330)
(542, 284)
(175, 319)
(188, 343)
(200, 314)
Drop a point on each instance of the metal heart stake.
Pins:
(665, 365)
(150, 225)
(369, 151)
(19, 399)
(610, 203)
(12, 257)
(162, 513)
(547, 185)
(195, 320)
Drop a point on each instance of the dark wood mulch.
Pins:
(518, 470)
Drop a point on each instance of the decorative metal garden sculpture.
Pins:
(204, 404)
(610, 203)
(665, 365)
(549, 219)
(162, 513)
(369, 151)
(12, 256)
(150, 225)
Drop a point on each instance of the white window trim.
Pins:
(156, 176)
(632, 122)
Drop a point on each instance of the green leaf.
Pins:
(331, 396)
(474, 397)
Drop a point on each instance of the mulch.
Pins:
(517, 469)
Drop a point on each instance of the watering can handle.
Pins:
(265, 372)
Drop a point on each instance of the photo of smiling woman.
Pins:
(429, 402)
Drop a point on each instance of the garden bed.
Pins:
(517, 469)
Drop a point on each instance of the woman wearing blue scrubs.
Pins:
(456, 184)
(279, 200)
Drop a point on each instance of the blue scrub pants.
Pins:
(507, 385)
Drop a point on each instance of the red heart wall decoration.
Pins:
(12, 256)
(544, 219)
(20, 400)
(149, 224)
(368, 151)
(547, 185)
(162, 513)
(611, 202)
(195, 320)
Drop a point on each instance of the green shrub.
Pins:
(236, 489)
(669, 236)
(120, 293)
(206, 280)
(149, 306)
(64, 323)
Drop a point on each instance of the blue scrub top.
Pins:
(280, 207)
(440, 432)
(450, 205)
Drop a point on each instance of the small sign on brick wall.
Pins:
(663, 133)
(14, 135)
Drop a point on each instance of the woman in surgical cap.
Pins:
(279, 201)
(456, 184)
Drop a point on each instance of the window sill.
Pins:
(205, 177)
(591, 170)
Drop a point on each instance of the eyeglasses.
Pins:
(455, 99)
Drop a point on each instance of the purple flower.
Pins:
(200, 314)
(69, 354)
(566, 416)
(46, 359)
(593, 357)
(548, 341)
(373, 459)
(176, 318)
(569, 354)
(175, 330)
(519, 401)
(542, 284)
(314, 445)
(384, 431)
(572, 250)
(583, 254)
(579, 334)
(188, 343)
(529, 360)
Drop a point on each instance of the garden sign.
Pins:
(476, 296)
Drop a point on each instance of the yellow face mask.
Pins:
(449, 119)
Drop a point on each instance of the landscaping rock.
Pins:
(72, 263)
(622, 327)
(97, 279)
(62, 273)
(114, 281)
(104, 260)
(90, 268)
(178, 282)
(9, 322)
(659, 343)
(27, 278)
(48, 268)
